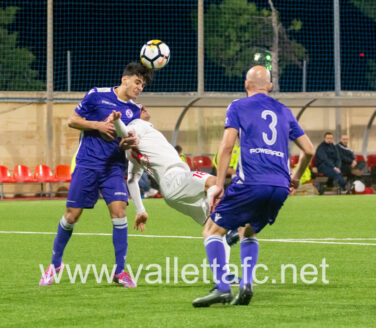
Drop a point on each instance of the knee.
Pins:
(245, 232)
(118, 213)
(72, 214)
(205, 232)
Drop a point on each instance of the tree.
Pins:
(15, 62)
(249, 36)
(368, 8)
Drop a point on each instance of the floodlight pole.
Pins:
(304, 79)
(200, 48)
(337, 67)
(200, 70)
(69, 71)
(50, 85)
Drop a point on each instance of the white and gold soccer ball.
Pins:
(155, 54)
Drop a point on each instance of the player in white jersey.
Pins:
(186, 191)
(182, 189)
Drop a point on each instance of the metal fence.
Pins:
(309, 45)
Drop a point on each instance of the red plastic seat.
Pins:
(22, 173)
(313, 162)
(359, 158)
(5, 176)
(294, 159)
(202, 162)
(189, 162)
(62, 173)
(371, 160)
(43, 173)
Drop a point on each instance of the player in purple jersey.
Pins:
(264, 126)
(100, 166)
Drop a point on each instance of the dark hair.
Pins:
(139, 70)
(328, 134)
(178, 148)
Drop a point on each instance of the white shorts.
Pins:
(185, 192)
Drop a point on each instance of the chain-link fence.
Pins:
(93, 41)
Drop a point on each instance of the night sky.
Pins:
(104, 37)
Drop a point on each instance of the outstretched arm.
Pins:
(121, 129)
(129, 138)
(224, 156)
(134, 191)
(80, 123)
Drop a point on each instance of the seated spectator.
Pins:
(349, 166)
(231, 170)
(179, 149)
(328, 161)
(145, 187)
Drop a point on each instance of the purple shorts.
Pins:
(88, 182)
(257, 205)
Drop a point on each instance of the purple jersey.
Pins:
(265, 126)
(97, 105)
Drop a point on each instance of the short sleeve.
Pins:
(295, 130)
(232, 118)
(87, 105)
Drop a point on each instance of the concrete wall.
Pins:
(23, 130)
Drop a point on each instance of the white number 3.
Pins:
(272, 125)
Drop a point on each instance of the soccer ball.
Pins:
(359, 187)
(155, 54)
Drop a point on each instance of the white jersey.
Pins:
(154, 154)
(182, 189)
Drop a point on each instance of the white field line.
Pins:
(335, 241)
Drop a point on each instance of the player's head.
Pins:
(179, 149)
(345, 139)
(139, 70)
(135, 77)
(258, 80)
(145, 115)
(328, 137)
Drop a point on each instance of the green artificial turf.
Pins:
(348, 300)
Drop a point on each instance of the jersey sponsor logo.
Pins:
(103, 89)
(129, 113)
(266, 152)
(120, 193)
(108, 103)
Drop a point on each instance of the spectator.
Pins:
(145, 186)
(328, 161)
(349, 166)
(231, 170)
(179, 149)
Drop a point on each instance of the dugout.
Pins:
(195, 123)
